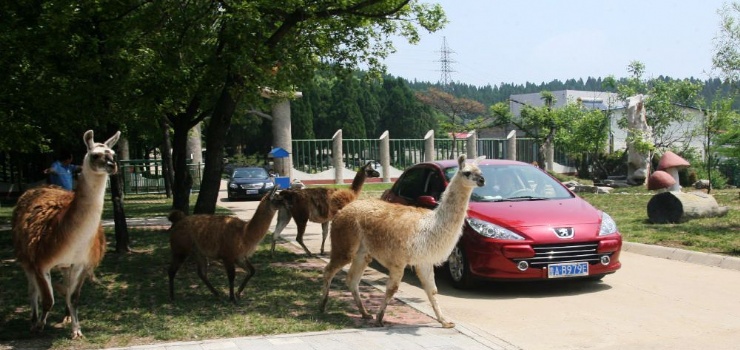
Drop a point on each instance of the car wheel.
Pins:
(459, 270)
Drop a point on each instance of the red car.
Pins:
(522, 225)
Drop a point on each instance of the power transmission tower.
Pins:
(446, 76)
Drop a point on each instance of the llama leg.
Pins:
(395, 274)
(324, 233)
(426, 276)
(203, 274)
(299, 236)
(335, 264)
(177, 261)
(73, 280)
(33, 296)
(362, 259)
(43, 281)
(230, 274)
(250, 270)
(282, 221)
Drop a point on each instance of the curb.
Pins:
(692, 257)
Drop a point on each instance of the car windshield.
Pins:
(515, 183)
(256, 173)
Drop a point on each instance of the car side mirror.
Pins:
(426, 201)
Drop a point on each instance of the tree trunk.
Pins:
(676, 207)
(166, 157)
(215, 141)
(119, 216)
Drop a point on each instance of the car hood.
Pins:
(518, 215)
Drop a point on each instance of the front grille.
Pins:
(255, 186)
(546, 254)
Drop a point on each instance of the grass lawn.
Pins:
(128, 304)
(628, 207)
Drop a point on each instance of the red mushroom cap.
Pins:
(660, 179)
(672, 160)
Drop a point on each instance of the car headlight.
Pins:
(269, 184)
(608, 226)
(233, 186)
(487, 229)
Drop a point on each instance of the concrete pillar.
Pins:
(472, 144)
(337, 162)
(385, 156)
(511, 145)
(194, 146)
(429, 146)
(282, 137)
(281, 131)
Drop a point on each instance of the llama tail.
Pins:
(175, 216)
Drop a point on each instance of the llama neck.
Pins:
(453, 206)
(257, 227)
(358, 181)
(89, 196)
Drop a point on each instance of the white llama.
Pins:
(396, 236)
(55, 228)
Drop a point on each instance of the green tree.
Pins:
(402, 115)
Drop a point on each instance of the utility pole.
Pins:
(446, 77)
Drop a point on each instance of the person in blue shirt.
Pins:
(61, 171)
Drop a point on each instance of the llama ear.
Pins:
(88, 138)
(113, 139)
(478, 160)
(461, 161)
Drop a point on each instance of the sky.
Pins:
(536, 41)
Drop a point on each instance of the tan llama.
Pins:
(396, 236)
(318, 204)
(57, 229)
(227, 238)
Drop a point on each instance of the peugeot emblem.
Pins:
(564, 232)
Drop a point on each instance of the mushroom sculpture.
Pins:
(671, 205)
(661, 180)
(671, 163)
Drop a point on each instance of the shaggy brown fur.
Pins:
(227, 238)
(317, 205)
(57, 229)
(396, 236)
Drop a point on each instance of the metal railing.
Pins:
(145, 175)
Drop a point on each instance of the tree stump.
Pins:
(675, 207)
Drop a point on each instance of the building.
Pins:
(680, 134)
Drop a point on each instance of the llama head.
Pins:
(100, 157)
(369, 170)
(470, 172)
(275, 199)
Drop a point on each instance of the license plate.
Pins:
(251, 191)
(567, 270)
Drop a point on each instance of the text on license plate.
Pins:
(251, 191)
(567, 270)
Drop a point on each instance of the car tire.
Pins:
(458, 269)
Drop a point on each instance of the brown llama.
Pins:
(318, 205)
(227, 238)
(396, 236)
(57, 229)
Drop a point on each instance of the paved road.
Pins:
(651, 303)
